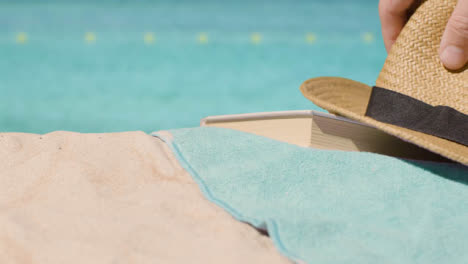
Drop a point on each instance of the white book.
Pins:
(319, 130)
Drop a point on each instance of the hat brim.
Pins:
(349, 98)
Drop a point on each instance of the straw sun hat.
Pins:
(415, 98)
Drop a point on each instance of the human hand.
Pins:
(453, 50)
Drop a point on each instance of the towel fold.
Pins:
(331, 206)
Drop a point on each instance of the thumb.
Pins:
(454, 46)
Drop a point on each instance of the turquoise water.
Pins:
(200, 58)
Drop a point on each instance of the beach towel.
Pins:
(322, 206)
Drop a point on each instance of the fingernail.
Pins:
(453, 57)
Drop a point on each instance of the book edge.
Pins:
(273, 115)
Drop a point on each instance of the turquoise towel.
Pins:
(331, 206)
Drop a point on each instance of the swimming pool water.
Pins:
(150, 65)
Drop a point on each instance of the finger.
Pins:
(454, 45)
(393, 16)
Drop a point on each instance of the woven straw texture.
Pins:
(412, 68)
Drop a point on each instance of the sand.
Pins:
(112, 198)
